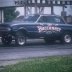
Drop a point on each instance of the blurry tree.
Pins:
(10, 14)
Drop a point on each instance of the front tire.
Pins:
(20, 38)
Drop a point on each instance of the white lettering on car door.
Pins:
(48, 28)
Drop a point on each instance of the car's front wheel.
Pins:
(20, 38)
(6, 39)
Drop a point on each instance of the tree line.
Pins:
(10, 14)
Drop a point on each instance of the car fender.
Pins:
(22, 29)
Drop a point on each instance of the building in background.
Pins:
(37, 6)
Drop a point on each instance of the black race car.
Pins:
(48, 27)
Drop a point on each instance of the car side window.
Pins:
(50, 19)
(42, 20)
(58, 20)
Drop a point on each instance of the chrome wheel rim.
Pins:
(67, 38)
(21, 40)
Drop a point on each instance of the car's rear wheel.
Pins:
(20, 38)
(6, 39)
(67, 38)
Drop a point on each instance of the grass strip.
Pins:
(46, 64)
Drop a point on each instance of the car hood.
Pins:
(17, 23)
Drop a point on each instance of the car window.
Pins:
(50, 19)
(31, 18)
(58, 20)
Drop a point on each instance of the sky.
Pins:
(47, 10)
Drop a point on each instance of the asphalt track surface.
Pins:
(33, 48)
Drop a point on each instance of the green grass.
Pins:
(46, 64)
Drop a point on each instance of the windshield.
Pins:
(31, 18)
